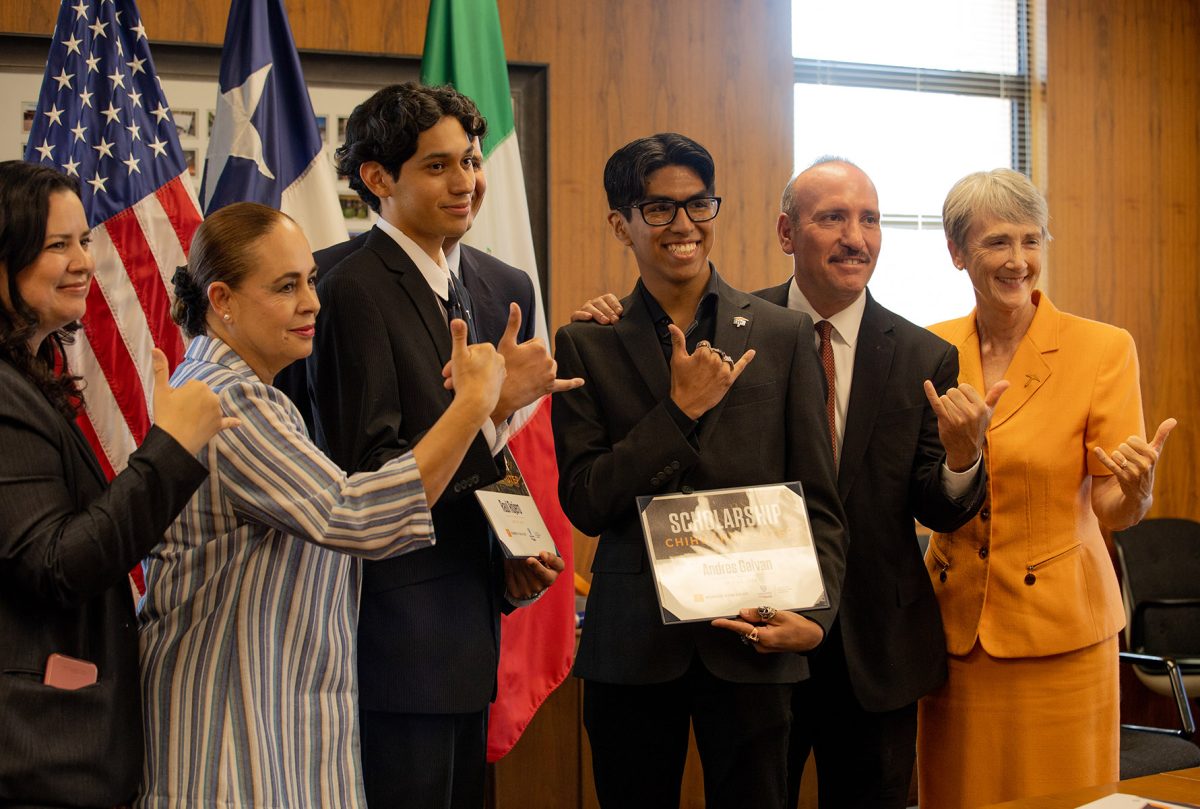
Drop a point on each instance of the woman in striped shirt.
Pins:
(247, 630)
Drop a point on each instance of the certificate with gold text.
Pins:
(513, 515)
(716, 552)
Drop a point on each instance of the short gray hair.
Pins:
(787, 203)
(1005, 194)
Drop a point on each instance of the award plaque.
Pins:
(513, 515)
(716, 552)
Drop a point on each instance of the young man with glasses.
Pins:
(697, 387)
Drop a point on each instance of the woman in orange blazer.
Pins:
(1028, 594)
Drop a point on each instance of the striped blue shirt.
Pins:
(248, 625)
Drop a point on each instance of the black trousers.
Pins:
(864, 759)
(639, 740)
(430, 761)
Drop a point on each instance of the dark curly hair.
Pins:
(25, 192)
(385, 128)
(630, 167)
(222, 250)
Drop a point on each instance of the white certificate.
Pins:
(716, 552)
(513, 515)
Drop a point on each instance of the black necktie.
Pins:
(458, 305)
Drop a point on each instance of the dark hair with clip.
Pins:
(222, 250)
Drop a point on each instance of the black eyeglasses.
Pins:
(659, 212)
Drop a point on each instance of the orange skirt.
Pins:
(1002, 729)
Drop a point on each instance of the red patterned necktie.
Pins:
(824, 329)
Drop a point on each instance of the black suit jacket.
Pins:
(492, 285)
(890, 473)
(67, 542)
(616, 440)
(490, 282)
(429, 624)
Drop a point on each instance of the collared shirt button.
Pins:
(983, 552)
(657, 479)
(985, 514)
(675, 466)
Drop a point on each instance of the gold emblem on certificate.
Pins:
(513, 515)
(716, 552)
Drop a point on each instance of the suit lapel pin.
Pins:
(740, 322)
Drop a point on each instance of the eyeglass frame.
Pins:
(679, 205)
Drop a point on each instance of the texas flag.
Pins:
(265, 146)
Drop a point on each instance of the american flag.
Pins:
(102, 117)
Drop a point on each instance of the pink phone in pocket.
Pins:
(69, 673)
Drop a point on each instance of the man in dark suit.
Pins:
(896, 461)
(429, 627)
(665, 411)
(492, 285)
(858, 709)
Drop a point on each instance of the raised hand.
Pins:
(1132, 463)
(191, 413)
(782, 632)
(475, 372)
(700, 380)
(531, 370)
(963, 417)
(605, 309)
(525, 578)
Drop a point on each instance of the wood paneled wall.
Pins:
(1123, 155)
(716, 70)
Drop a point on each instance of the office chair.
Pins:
(1159, 560)
(1147, 750)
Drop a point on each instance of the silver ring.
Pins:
(766, 613)
(704, 344)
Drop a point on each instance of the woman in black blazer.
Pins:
(71, 732)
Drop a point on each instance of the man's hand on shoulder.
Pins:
(606, 309)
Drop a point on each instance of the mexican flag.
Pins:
(464, 48)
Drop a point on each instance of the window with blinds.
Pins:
(918, 95)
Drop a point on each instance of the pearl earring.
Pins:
(225, 317)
